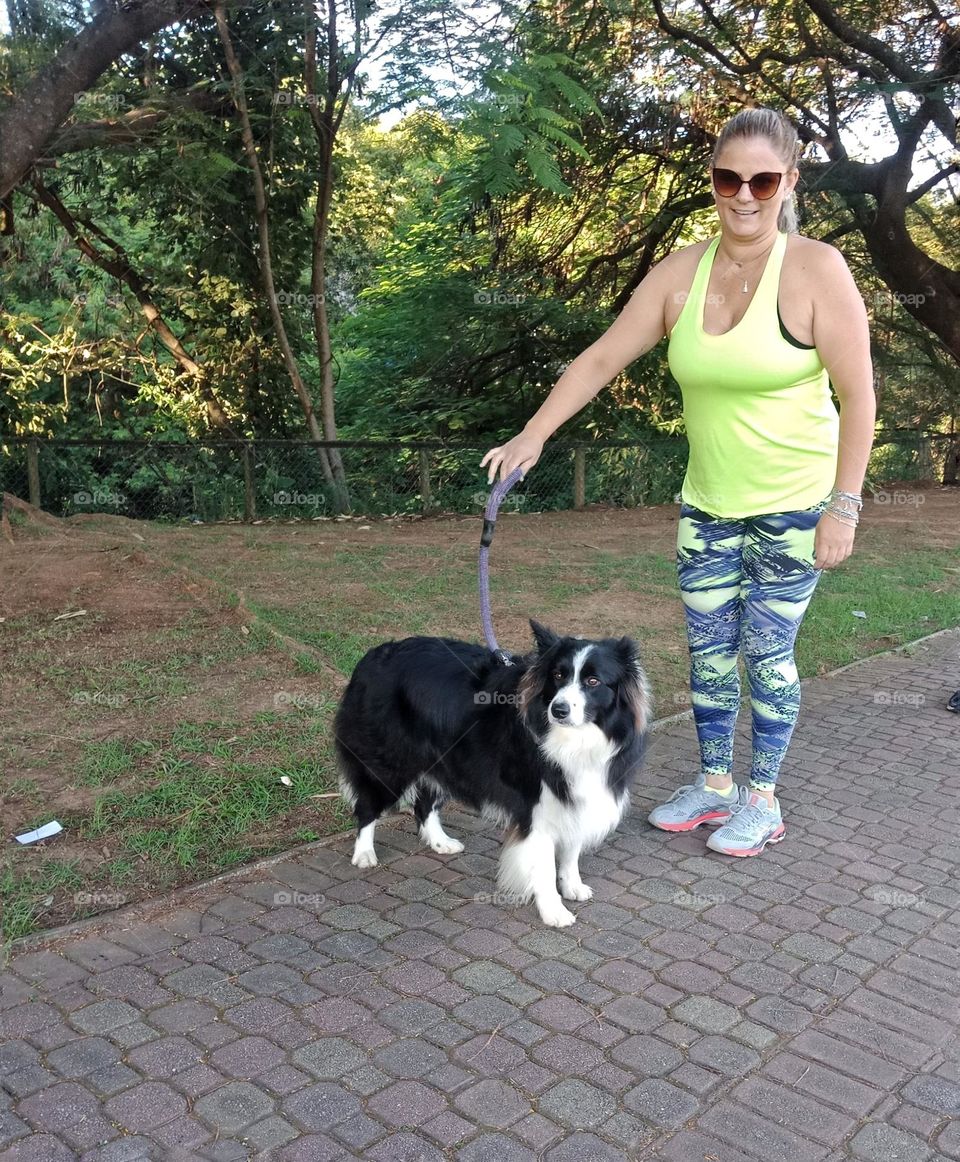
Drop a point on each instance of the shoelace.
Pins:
(746, 821)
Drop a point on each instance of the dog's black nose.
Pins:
(560, 710)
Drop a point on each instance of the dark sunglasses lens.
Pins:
(764, 185)
(726, 182)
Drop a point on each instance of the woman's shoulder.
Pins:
(813, 252)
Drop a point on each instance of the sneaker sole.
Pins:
(712, 818)
(776, 837)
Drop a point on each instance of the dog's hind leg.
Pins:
(370, 804)
(427, 812)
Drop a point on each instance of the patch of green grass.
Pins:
(904, 597)
(105, 762)
(25, 898)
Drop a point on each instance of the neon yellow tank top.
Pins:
(761, 424)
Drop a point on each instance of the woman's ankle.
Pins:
(718, 782)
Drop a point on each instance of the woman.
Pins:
(758, 318)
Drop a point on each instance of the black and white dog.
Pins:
(547, 746)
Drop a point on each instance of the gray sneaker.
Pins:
(694, 804)
(752, 826)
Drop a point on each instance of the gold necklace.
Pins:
(745, 289)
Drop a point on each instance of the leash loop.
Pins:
(497, 494)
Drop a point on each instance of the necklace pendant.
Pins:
(744, 291)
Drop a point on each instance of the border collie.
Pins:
(547, 747)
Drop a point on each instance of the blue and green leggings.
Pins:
(746, 584)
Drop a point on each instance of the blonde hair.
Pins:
(773, 127)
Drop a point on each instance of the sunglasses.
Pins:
(728, 183)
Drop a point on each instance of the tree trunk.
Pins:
(30, 121)
(263, 257)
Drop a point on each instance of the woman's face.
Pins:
(744, 216)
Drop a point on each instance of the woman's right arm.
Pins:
(638, 327)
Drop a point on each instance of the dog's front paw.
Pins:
(365, 857)
(447, 846)
(578, 891)
(555, 915)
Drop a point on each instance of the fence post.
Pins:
(33, 473)
(579, 478)
(249, 493)
(925, 459)
(425, 494)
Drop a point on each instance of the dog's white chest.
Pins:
(592, 812)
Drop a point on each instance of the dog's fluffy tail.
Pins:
(525, 864)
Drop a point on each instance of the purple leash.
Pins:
(489, 526)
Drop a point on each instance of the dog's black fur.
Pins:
(444, 718)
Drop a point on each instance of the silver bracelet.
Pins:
(854, 497)
(843, 515)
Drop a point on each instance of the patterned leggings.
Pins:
(745, 583)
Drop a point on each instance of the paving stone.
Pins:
(145, 1107)
(585, 1148)
(84, 1056)
(646, 1055)
(328, 1057)
(661, 1103)
(774, 1143)
(406, 1104)
(706, 1014)
(409, 1058)
(881, 1143)
(934, 1093)
(796, 1112)
(104, 1016)
(39, 1148)
(270, 1134)
(320, 1106)
(577, 1105)
(495, 1148)
(724, 1056)
(492, 1104)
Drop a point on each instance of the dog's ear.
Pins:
(545, 638)
(636, 688)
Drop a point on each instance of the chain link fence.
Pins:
(285, 479)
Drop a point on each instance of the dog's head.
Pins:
(574, 682)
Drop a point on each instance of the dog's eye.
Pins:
(592, 682)
(558, 675)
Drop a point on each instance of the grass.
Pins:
(185, 795)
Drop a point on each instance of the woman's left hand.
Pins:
(832, 542)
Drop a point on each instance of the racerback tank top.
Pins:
(761, 424)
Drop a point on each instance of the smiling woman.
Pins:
(761, 322)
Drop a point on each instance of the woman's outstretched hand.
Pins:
(522, 451)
